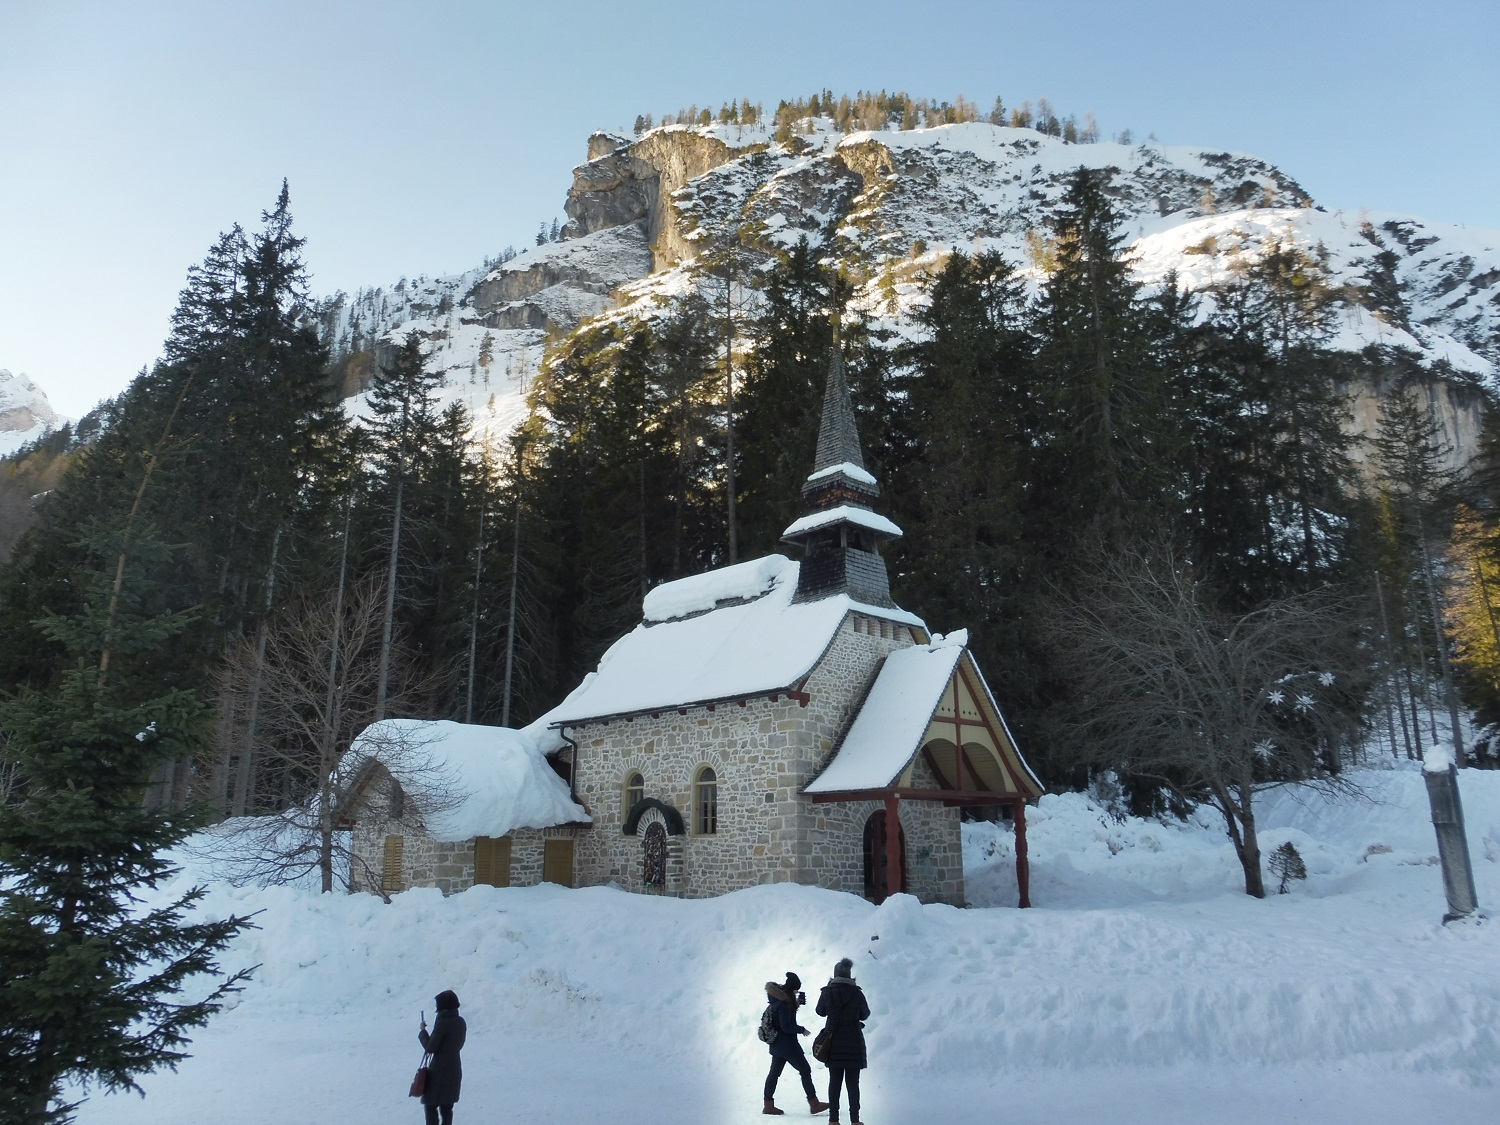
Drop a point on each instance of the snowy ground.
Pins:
(1144, 988)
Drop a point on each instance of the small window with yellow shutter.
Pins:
(492, 861)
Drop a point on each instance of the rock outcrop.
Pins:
(635, 182)
(25, 413)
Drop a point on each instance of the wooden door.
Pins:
(876, 865)
(557, 861)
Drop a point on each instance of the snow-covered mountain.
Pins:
(25, 413)
(890, 205)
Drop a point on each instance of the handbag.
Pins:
(419, 1083)
(822, 1044)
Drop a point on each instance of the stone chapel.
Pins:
(770, 721)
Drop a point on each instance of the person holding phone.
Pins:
(445, 1074)
(785, 999)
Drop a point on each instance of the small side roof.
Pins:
(469, 780)
(899, 712)
(731, 634)
(889, 727)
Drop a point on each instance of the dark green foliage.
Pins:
(1287, 866)
(777, 429)
(250, 430)
(93, 984)
(959, 458)
(1115, 442)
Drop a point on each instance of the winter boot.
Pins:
(771, 1109)
(815, 1106)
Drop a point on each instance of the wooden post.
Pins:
(893, 846)
(1023, 865)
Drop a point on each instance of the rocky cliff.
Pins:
(890, 205)
(25, 413)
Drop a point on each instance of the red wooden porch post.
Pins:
(1023, 865)
(893, 846)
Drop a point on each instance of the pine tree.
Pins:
(778, 429)
(958, 469)
(402, 429)
(1115, 448)
(93, 979)
(1287, 866)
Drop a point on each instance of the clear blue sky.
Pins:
(420, 137)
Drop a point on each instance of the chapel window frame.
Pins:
(706, 801)
(633, 792)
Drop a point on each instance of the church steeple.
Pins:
(842, 533)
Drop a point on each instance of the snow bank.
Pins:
(1144, 989)
(499, 778)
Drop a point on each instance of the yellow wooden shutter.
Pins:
(557, 862)
(395, 854)
(492, 861)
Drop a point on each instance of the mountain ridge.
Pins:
(888, 206)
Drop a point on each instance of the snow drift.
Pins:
(1143, 988)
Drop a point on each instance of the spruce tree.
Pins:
(777, 431)
(403, 430)
(94, 980)
(1114, 448)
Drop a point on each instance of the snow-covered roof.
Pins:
(703, 592)
(476, 780)
(889, 727)
(844, 513)
(759, 646)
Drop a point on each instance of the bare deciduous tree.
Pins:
(314, 690)
(1211, 705)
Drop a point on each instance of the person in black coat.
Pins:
(784, 1001)
(446, 1073)
(843, 1003)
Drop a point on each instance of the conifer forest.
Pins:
(1027, 447)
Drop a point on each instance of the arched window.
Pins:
(706, 802)
(635, 790)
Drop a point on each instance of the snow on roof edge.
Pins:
(861, 517)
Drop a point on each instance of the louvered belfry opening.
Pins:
(841, 535)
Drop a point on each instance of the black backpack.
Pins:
(768, 1029)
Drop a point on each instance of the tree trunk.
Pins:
(1441, 644)
(1239, 823)
(510, 630)
(474, 617)
(246, 772)
(333, 705)
(383, 683)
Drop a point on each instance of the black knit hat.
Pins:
(844, 969)
(446, 1000)
(793, 982)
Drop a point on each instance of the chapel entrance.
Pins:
(654, 858)
(876, 857)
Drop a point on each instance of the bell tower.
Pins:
(842, 533)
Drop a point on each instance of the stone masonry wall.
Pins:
(425, 862)
(764, 754)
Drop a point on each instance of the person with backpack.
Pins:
(445, 1073)
(779, 1030)
(843, 1003)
